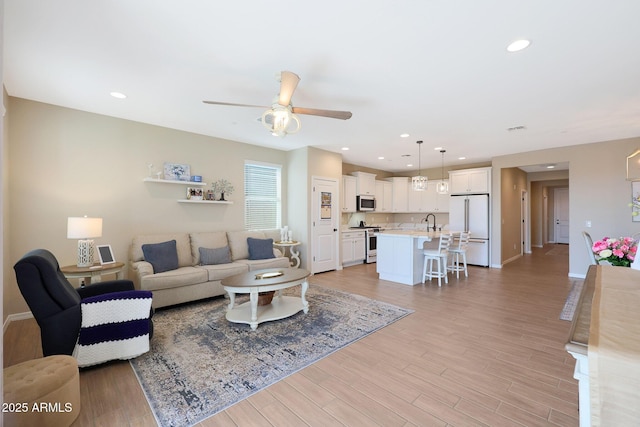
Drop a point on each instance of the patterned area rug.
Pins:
(200, 363)
(572, 301)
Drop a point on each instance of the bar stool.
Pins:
(458, 252)
(438, 255)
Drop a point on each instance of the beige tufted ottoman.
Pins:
(42, 392)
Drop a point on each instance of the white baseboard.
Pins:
(513, 258)
(496, 265)
(14, 317)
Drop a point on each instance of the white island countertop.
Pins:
(400, 254)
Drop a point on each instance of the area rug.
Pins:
(200, 364)
(572, 301)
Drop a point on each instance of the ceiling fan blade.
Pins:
(288, 83)
(343, 115)
(233, 104)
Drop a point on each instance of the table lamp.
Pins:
(84, 229)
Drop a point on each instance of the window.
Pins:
(262, 196)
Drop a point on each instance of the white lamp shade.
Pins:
(84, 227)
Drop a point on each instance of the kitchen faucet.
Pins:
(434, 221)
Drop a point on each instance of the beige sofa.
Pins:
(192, 281)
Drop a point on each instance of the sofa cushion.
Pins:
(183, 246)
(183, 276)
(208, 239)
(260, 264)
(222, 271)
(214, 256)
(238, 243)
(162, 256)
(260, 248)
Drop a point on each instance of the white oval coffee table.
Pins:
(271, 279)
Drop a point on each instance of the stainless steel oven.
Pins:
(371, 244)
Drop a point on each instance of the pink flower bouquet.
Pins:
(620, 252)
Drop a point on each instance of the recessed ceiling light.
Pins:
(438, 148)
(409, 165)
(345, 148)
(551, 166)
(518, 45)
(118, 95)
(380, 158)
(404, 135)
(462, 158)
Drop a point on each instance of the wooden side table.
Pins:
(94, 272)
(294, 255)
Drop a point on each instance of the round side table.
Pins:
(94, 272)
(294, 254)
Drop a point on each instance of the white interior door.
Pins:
(324, 234)
(561, 213)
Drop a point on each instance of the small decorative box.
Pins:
(196, 178)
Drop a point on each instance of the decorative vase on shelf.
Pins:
(222, 197)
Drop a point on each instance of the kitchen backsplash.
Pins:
(353, 219)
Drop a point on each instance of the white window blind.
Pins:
(262, 196)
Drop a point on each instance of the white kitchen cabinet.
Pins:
(365, 183)
(399, 194)
(440, 202)
(384, 196)
(429, 200)
(353, 247)
(349, 194)
(468, 181)
(419, 201)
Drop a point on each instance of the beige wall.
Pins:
(304, 164)
(598, 192)
(513, 183)
(70, 163)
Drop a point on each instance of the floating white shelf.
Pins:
(219, 202)
(169, 181)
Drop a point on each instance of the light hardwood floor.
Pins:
(487, 350)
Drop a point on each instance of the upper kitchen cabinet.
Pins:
(349, 193)
(366, 183)
(384, 196)
(469, 181)
(428, 201)
(399, 194)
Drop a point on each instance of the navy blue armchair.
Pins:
(72, 320)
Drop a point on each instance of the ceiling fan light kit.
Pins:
(278, 120)
(419, 182)
(282, 114)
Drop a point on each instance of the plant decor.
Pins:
(620, 252)
(222, 186)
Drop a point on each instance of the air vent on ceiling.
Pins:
(515, 128)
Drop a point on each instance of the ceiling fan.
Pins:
(281, 116)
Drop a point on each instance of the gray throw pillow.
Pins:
(260, 248)
(162, 256)
(214, 256)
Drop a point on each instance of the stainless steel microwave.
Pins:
(366, 203)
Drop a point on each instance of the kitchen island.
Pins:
(400, 256)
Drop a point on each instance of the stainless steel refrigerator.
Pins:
(471, 213)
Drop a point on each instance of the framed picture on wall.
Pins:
(635, 201)
(177, 172)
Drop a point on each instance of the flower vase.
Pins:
(222, 197)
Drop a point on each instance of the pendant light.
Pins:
(442, 187)
(419, 183)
